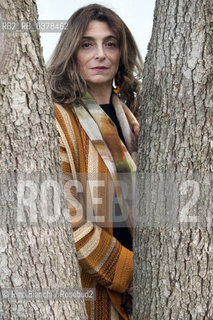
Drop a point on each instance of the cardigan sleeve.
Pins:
(99, 253)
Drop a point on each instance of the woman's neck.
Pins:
(101, 93)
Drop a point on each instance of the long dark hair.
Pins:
(65, 81)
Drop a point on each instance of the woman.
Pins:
(98, 136)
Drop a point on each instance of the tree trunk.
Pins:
(173, 233)
(37, 253)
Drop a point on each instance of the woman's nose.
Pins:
(100, 53)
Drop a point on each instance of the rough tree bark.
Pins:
(36, 242)
(173, 235)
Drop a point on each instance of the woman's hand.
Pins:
(130, 289)
(135, 130)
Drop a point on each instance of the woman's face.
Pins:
(99, 55)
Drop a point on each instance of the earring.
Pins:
(117, 82)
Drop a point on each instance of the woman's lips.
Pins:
(99, 68)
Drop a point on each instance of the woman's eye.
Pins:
(87, 45)
(111, 44)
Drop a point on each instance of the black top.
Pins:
(121, 232)
(110, 111)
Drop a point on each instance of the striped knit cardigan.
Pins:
(104, 263)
